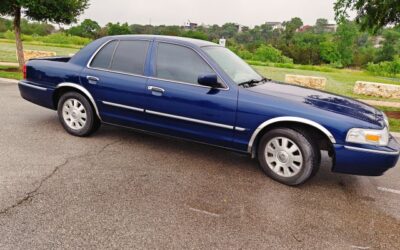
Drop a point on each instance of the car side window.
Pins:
(180, 64)
(122, 56)
(130, 57)
(102, 59)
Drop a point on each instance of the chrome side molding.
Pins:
(123, 106)
(190, 119)
(372, 151)
(32, 86)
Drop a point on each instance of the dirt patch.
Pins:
(393, 114)
(10, 70)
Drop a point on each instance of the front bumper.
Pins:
(366, 160)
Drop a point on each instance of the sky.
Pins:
(245, 12)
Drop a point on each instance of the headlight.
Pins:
(368, 136)
(386, 120)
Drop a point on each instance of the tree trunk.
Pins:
(18, 41)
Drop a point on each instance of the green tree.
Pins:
(371, 14)
(330, 53)
(389, 49)
(88, 28)
(346, 35)
(57, 11)
(229, 30)
(117, 29)
(291, 27)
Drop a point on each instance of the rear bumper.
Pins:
(37, 94)
(368, 161)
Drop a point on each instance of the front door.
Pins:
(179, 106)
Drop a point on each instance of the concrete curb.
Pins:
(8, 80)
(11, 64)
(381, 103)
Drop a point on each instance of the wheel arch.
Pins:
(287, 121)
(67, 86)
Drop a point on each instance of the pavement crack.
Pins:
(32, 193)
(107, 145)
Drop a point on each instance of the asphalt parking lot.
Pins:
(122, 189)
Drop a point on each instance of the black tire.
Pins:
(91, 122)
(295, 174)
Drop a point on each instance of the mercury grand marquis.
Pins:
(203, 92)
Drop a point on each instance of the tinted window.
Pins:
(103, 58)
(130, 57)
(180, 64)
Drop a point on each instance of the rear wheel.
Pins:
(76, 114)
(288, 156)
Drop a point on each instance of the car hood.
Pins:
(322, 100)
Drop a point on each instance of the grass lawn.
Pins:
(338, 81)
(10, 72)
(8, 50)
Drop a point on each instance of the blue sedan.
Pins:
(199, 91)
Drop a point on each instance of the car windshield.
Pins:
(234, 66)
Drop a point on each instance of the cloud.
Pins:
(246, 12)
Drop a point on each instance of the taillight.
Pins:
(24, 71)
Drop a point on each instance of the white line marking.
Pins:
(394, 191)
(204, 212)
(358, 247)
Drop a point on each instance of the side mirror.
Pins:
(209, 80)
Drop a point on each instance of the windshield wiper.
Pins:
(253, 81)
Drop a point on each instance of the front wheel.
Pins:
(76, 114)
(288, 156)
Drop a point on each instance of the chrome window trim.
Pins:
(32, 86)
(123, 106)
(183, 118)
(85, 91)
(372, 150)
(185, 83)
(204, 59)
(289, 119)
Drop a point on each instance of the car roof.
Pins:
(176, 39)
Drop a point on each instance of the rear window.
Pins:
(123, 56)
(130, 57)
(103, 58)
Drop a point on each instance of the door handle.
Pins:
(92, 79)
(156, 89)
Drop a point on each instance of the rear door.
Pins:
(178, 105)
(116, 79)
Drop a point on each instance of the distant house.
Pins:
(275, 25)
(378, 41)
(331, 26)
(190, 26)
(304, 28)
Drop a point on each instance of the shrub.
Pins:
(385, 68)
(62, 38)
(267, 53)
